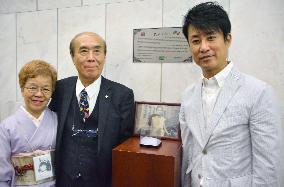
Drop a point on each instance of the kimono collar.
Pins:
(36, 121)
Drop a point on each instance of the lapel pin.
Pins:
(106, 96)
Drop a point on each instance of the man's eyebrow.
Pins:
(193, 36)
(93, 47)
(82, 47)
(210, 32)
(97, 47)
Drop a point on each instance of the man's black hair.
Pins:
(209, 16)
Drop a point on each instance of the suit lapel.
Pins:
(232, 83)
(198, 121)
(68, 91)
(105, 97)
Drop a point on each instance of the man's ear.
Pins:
(229, 39)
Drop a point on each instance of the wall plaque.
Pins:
(160, 45)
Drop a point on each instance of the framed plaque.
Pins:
(160, 45)
(161, 118)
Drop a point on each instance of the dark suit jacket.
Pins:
(115, 123)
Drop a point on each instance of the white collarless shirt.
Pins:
(92, 91)
(210, 90)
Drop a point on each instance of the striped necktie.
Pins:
(84, 104)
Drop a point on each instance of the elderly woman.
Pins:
(28, 136)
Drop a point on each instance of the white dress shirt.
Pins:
(210, 90)
(92, 91)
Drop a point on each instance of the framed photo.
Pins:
(161, 118)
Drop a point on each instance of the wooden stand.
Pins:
(136, 166)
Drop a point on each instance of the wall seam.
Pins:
(16, 22)
(161, 77)
(36, 5)
(229, 8)
(105, 67)
(57, 25)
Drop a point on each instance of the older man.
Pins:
(94, 113)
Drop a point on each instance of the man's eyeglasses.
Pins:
(35, 89)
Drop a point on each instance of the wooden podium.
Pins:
(136, 166)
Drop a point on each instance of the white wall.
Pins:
(42, 29)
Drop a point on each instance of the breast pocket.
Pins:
(236, 115)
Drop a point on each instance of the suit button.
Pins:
(199, 176)
(204, 151)
(78, 175)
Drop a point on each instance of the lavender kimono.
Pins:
(18, 134)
